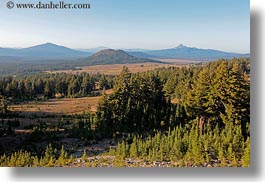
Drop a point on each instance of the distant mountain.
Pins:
(7, 51)
(192, 53)
(94, 50)
(97, 49)
(143, 55)
(43, 50)
(136, 50)
(51, 51)
(110, 56)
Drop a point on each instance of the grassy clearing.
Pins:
(179, 61)
(66, 106)
(115, 69)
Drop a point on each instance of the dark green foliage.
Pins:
(155, 115)
(82, 129)
(137, 105)
(219, 91)
(38, 131)
(53, 85)
(3, 106)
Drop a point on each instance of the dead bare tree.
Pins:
(201, 124)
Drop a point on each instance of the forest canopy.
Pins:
(192, 115)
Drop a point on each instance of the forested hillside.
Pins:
(217, 92)
(194, 115)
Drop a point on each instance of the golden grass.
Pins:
(178, 61)
(65, 106)
(115, 69)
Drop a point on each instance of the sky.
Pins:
(148, 24)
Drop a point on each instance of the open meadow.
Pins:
(64, 106)
(115, 69)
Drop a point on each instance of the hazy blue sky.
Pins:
(151, 24)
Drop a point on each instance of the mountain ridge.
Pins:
(111, 56)
(193, 53)
(41, 50)
(51, 50)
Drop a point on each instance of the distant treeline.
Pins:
(54, 85)
(25, 67)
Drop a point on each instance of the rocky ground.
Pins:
(112, 161)
(96, 157)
